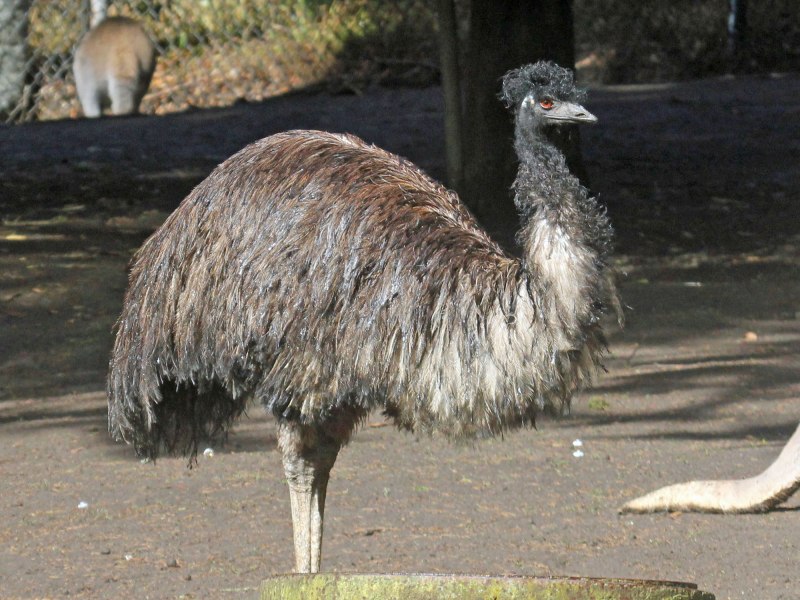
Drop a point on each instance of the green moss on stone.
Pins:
(331, 586)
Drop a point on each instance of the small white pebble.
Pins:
(577, 443)
(208, 452)
(577, 453)
(83, 504)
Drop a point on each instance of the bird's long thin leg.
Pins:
(756, 494)
(308, 457)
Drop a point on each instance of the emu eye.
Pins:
(546, 103)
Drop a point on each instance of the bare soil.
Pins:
(703, 185)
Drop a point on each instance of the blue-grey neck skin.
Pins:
(544, 182)
(543, 171)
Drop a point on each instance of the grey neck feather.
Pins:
(545, 189)
(543, 179)
(565, 235)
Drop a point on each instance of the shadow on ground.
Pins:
(703, 381)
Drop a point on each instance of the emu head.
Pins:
(543, 94)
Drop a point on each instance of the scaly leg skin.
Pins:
(308, 457)
(756, 494)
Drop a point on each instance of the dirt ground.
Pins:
(703, 185)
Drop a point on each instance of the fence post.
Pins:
(14, 54)
(99, 11)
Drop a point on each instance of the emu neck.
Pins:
(543, 180)
(564, 237)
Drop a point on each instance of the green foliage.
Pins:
(598, 403)
(214, 52)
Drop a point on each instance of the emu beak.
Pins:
(570, 112)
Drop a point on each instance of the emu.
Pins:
(759, 493)
(114, 64)
(324, 278)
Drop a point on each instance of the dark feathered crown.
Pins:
(549, 79)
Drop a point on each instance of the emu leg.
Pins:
(756, 494)
(308, 457)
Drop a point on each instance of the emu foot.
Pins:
(756, 494)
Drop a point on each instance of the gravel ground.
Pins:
(702, 182)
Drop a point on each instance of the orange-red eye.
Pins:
(546, 103)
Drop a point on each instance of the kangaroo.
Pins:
(113, 66)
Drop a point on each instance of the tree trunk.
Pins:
(451, 89)
(737, 30)
(504, 34)
(14, 54)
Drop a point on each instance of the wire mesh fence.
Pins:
(215, 52)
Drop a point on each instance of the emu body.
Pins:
(325, 278)
(114, 64)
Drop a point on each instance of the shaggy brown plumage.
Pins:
(315, 272)
(324, 278)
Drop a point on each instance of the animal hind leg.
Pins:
(92, 107)
(123, 96)
(308, 457)
(90, 97)
(756, 494)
